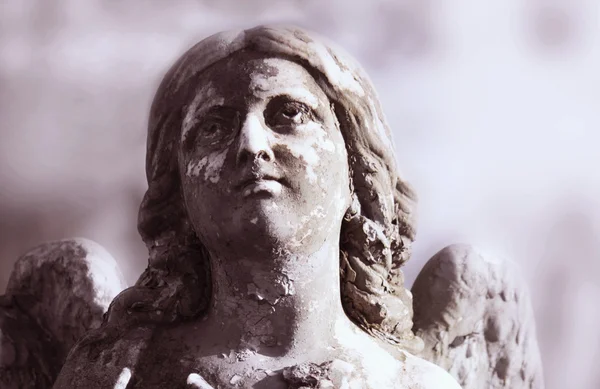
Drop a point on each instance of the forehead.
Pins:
(260, 75)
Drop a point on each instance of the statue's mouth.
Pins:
(260, 183)
(267, 186)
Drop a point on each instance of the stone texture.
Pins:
(474, 315)
(276, 223)
(56, 292)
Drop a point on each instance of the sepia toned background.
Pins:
(494, 107)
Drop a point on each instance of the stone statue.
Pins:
(277, 223)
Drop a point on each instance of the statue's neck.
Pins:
(281, 306)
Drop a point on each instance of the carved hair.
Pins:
(376, 231)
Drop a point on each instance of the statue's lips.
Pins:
(261, 184)
(254, 187)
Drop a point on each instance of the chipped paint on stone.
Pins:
(194, 167)
(306, 151)
(197, 381)
(123, 379)
(215, 163)
(235, 379)
(204, 99)
(319, 273)
(309, 149)
(259, 81)
(340, 77)
(270, 287)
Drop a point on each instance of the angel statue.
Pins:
(277, 224)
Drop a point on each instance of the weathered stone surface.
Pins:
(475, 316)
(56, 292)
(277, 223)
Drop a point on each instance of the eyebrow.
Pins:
(198, 107)
(191, 131)
(304, 96)
(211, 109)
(208, 106)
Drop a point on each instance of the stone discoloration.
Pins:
(197, 381)
(273, 192)
(212, 172)
(380, 195)
(270, 288)
(207, 96)
(278, 160)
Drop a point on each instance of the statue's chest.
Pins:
(171, 362)
(165, 367)
(162, 370)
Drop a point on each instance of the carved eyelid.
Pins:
(284, 99)
(221, 115)
(214, 112)
(281, 102)
(218, 110)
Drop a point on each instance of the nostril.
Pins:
(264, 156)
(254, 158)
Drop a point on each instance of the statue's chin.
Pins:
(267, 225)
(268, 236)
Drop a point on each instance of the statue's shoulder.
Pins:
(419, 373)
(104, 357)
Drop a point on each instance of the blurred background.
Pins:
(494, 108)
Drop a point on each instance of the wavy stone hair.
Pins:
(377, 230)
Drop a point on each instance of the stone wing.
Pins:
(56, 292)
(474, 315)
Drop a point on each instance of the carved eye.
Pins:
(221, 123)
(214, 129)
(292, 112)
(211, 128)
(288, 113)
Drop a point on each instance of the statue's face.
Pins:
(262, 160)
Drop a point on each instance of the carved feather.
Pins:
(56, 292)
(474, 315)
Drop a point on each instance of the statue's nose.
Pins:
(254, 141)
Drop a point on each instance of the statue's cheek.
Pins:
(195, 167)
(299, 158)
(207, 169)
(315, 155)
